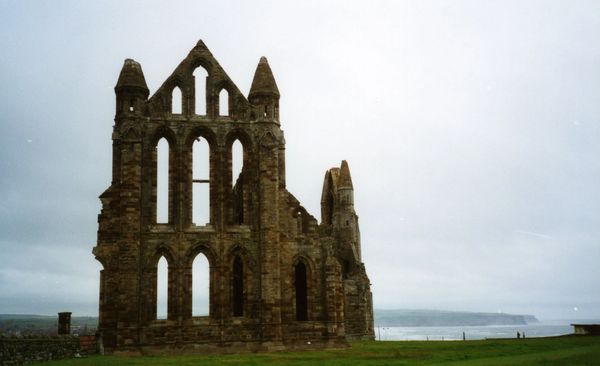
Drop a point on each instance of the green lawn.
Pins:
(563, 351)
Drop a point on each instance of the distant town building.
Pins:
(587, 329)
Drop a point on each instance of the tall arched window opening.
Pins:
(237, 161)
(237, 182)
(224, 102)
(162, 181)
(162, 288)
(176, 101)
(200, 76)
(201, 182)
(200, 286)
(238, 286)
(301, 292)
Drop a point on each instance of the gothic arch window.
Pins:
(201, 182)
(162, 181)
(300, 222)
(200, 286)
(238, 286)
(162, 288)
(238, 182)
(301, 291)
(176, 101)
(224, 102)
(237, 161)
(200, 76)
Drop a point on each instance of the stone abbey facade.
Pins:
(277, 280)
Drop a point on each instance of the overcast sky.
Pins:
(472, 130)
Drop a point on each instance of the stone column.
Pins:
(269, 242)
(64, 323)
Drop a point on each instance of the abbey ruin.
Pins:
(278, 279)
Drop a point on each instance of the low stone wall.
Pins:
(24, 350)
(87, 344)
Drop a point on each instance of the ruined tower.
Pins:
(277, 278)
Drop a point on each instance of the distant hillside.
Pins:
(43, 324)
(47, 324)
(441, 318)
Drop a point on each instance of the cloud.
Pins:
(470, 129)
(538, 235)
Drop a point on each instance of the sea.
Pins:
(545, 328)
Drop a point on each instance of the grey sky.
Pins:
(471, 129)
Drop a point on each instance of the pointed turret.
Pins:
(131, 88)
(344, 218)
(264, 92)
(330, 183)
(345, 180)
(131, 77)
(328, 195)
(345, 190)
(264, 82)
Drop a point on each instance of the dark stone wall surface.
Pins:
(23, 350)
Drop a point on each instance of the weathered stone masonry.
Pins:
(24, 350)
(278, 278)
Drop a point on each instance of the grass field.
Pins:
(563, 351)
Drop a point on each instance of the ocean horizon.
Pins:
(543, 328)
